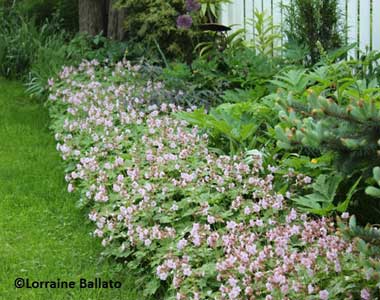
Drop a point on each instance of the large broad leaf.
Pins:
(321, 201)
(327, 186)
(310, 201)
(197, 117)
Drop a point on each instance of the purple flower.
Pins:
(184, 21)
(192, 5)
(364, 294)
(324, 295)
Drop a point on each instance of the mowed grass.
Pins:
(43, 236)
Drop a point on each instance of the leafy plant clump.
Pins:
(189, 223)
(56, 52)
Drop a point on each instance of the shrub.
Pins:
(18, 40)
(150, 22)
(330, 109)
(189, 223)
(312, 21)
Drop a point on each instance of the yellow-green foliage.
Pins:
(150, 20)
(267, 34)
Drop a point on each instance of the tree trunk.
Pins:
(116, 17)
(92, 16)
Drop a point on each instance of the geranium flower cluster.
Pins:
(202, 225)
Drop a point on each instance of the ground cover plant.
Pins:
(190, 223)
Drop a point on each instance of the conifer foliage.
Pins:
(332, 109)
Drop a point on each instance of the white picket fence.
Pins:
(361, 16)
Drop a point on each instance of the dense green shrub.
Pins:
(45, 10)
(151, 22)
(237, 74)
(20, 39)
(311, 21)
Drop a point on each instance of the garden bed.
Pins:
(191, 224)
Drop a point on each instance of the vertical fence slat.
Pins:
(365, 24)
(277, 20)
(238, 14)
(283, 12)
(352, 15)
(277, 12)
(267, 7)
(259, 5)
(223, 17)
(231, 13)
(342, 11)
(376, 25)
(249, 16)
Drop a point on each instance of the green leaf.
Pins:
(309, 201)
(352, 223)
(152, 286)
(372, 191)
(321, 201)
(212, 9)
(376, 173)
(203, 8)
(342, 207)
(327, 186)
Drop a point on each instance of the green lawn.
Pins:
(43, 236)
